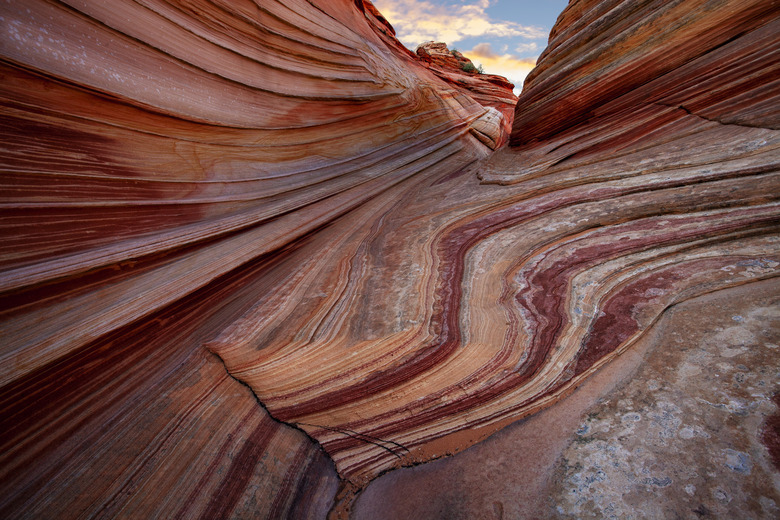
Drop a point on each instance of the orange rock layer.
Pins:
(716, 59)
(214, 209)
(488, 89)
(158, 158)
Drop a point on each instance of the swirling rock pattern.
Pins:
(157, 158)
(609, 56)
(282, 185)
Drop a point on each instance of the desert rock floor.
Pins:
(672, 429)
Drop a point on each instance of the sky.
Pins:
(504, 36)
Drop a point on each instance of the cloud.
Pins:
(419, 21)
(484, 50)
(513, 68)
(531, 47)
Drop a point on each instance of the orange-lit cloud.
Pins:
(419, 21)
(511, 67)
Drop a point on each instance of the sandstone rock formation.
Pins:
(443, 61)
(159, 159)
(488, 89)
(217, 211)
(681, 438)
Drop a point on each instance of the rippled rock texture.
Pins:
(489, 90)
(681, 438)
(214, 209)
(165, 165)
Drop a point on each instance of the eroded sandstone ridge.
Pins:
(488, 89)
(211, 209)
(164, 165)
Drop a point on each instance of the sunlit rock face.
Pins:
(488, 89)
(215, 208)
(711, 58)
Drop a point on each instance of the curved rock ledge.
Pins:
(157, 156)
(282, 185)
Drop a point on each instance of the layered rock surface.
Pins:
(159, 159)
(215, 208)
(681, 438)
(488, 89)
